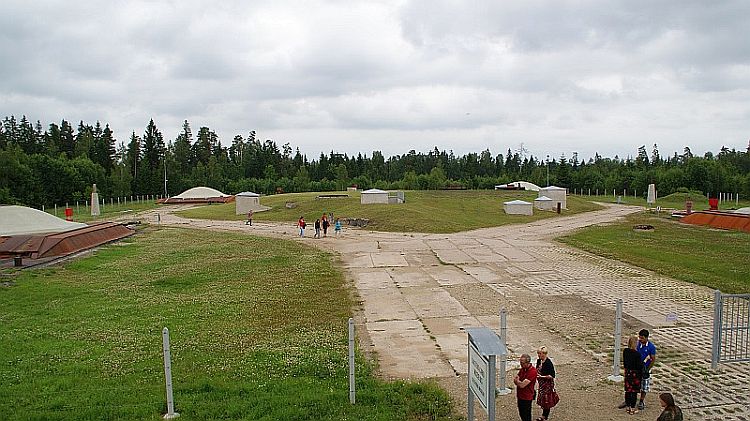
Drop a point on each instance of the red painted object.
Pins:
(68, 214)
(713, 203)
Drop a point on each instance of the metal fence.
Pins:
(731, 335)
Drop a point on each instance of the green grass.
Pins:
(714, 258)
(672, 201)
(258, 332)
(83, 214)
(424, 211)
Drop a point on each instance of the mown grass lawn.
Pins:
(424, 211)
(714, 258)
(672, 201)
(258, 332)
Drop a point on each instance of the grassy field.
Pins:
(258, 332)
(83, 214)
(424, 211)
(673, 201)
(715, 258)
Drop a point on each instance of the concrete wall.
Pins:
(518, 209)
(245, 203)
(370, 198)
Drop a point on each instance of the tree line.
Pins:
(59, 163)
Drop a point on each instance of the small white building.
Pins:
(557, 194)
(545, 203)
(374, 196)
(246, 201)
(518, 207)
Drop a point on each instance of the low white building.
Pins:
(245, 201)
(373, 196)
(545, 203)
(518, 207)
(557, 194)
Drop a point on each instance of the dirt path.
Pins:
(418, 292)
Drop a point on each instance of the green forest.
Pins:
(41, 166)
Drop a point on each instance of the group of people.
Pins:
(542, 373)
(320, 223)
(638, 359)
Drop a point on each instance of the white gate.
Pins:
(731, 336)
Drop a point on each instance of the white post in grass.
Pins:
(616, 377)
(168, 375)
(352, 391)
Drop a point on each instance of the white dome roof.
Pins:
(200, 193)
(374, 191)
(542, 199)
(20, 220)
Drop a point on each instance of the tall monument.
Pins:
(95, 202)
(651, 199)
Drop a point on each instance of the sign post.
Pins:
(483, 348)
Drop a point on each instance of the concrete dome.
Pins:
(21, 220)
(200, 193)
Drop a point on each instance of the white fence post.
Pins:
(501, 388)
(168, 375)
(616, 377)
(352, 391)
(716, 337)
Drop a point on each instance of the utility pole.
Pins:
(547, 170)
(165, 176)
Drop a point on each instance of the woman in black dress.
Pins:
(631, 361)
(547, 397)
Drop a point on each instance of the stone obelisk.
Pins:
(94, 202)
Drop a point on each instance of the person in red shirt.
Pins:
(525, 381)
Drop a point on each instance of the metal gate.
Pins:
(731, 336)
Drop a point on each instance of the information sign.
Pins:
(479, 379)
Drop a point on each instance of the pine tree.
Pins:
(67, 139)
(183, 150)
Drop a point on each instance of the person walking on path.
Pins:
(317, 229)
(648, 355)
(325, 224)
(525, 381)
(631, 361)
(548, 397)
(249, 218)
(337, 227)
(671, 411)
(302, 225)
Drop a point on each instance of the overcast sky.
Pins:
(554, 76)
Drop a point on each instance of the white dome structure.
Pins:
(21, 220)
(200, 193)
(518, 185)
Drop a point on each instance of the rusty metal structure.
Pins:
(37, 248)
(717, 219)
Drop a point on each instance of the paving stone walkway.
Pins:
(419, 291)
